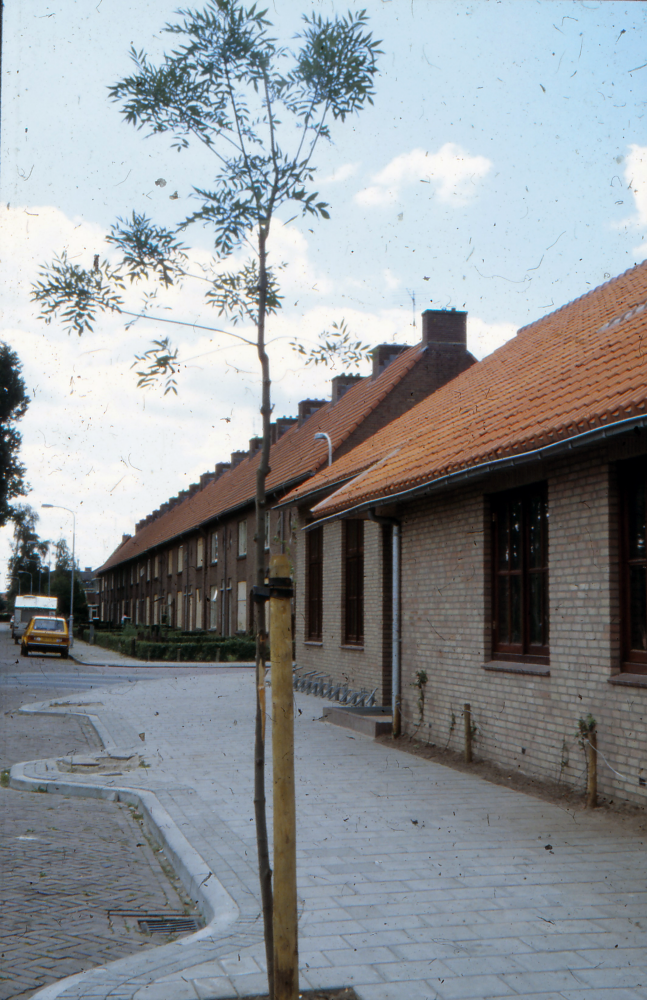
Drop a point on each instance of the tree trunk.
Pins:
(264, 868)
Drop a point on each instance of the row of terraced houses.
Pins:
(479, 536)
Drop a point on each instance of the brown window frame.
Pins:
(314, 585)
(353, 606)
(632, 477)
(506, 506)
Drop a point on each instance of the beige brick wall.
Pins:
(524, 723)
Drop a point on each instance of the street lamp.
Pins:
(322, 436)
(57, 506)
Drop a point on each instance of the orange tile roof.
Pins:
(579, 368)
(294, 456)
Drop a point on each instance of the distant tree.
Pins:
(260, 109)
(13, 405)
(60, 583)
(28, 551)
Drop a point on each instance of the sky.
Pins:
(501, 170)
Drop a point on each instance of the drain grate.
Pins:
(169, 925)
(158, 923)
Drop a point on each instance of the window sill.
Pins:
(508, 667)
(352, 646)
(629, 680)
(312, 642)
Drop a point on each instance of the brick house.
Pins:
(494, 537)
(190, 563)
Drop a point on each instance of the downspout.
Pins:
(395, 617)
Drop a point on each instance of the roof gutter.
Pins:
(464, 476)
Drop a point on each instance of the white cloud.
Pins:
(452, 173)
(390, 279)
(483, 337)
(636, 178)
(341, 173)
(91, 439)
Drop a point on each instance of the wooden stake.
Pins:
(592, 770)
(467, 715)
(286, 962)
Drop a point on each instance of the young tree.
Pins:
(60, 583)
(28, 551)
(261, 109)
(13, 405)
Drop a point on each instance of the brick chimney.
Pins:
(205, 478)
(237, 457)
(282, 425)
(384, 354)
(222, 467)
(193, 489)
(440, 326)
(254, 445)
(309, 406)
(341, 384)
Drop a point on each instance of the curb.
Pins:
(212, 899)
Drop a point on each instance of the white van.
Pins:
(26, 607)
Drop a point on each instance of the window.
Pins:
(314, 583)
(178, 609)
(241, 621)
(148, 610)
(520, 575)
(199, 553)
(141, 570)
(267, 530)
(242, 538)
(180, 558)
(353, 583)
(148, 570)
(170, 562)
(198, 607)
(156, 610)
(633, 551)
(214, 547)
(131, 573)
(213, 608)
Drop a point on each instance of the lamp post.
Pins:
(322, 436)
(31, 581)
(57, 506)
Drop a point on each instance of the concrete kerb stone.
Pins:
(215, 904)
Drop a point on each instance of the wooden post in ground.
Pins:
(467, 714)
(592, 770)
(286, 961)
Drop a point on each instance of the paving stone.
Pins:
(469, 897)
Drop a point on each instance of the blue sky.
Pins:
(502, 170)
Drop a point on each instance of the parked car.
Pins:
(46, 635)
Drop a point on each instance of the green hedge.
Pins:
(226, 650)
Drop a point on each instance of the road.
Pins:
(67, 862)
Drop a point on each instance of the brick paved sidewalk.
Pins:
(415, 881)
